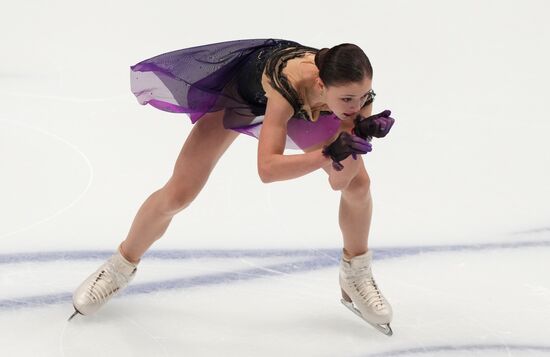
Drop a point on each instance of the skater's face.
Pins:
(345, 101)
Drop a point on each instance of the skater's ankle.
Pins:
(126, 256)
(348, 255)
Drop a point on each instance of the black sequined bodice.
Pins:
(273, 59)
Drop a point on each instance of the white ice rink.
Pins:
(461, 223)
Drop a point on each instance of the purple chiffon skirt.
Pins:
(203, 79)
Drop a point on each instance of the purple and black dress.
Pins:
(227, 75)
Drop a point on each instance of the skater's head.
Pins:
(345, 79)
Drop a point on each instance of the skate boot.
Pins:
(361, 295)
(107, 281)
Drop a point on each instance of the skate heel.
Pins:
(345, 296)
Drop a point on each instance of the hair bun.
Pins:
(320, 57)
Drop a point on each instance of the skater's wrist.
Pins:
(285, 167)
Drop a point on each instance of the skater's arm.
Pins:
(272, 164)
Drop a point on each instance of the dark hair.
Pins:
(342, 64)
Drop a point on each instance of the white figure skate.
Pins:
(361, 295)
(111, 277)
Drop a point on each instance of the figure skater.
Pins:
(288, 96)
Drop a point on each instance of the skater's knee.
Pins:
(359, 185)
(176, 196)
(343, 182)
(340, 180)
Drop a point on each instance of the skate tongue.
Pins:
(122, 265)
(362, 260)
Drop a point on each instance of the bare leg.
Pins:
(360, 293)
(202, 149)
(355, 215)
(355, 210)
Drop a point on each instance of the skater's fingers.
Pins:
(337, 166)
(359, 140)
(386, 113)
(363, 147)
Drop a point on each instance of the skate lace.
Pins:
(368, 290)
(106, 283)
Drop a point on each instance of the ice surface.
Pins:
(460, 232)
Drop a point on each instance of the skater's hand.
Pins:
(345, 145)
(377, 125)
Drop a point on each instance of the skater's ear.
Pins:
(319, 83)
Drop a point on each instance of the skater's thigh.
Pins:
(204, 146)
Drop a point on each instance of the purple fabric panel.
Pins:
(150, 67)
(301, 134)
(198, 79)
(167, 107)
(305, 133)
(254, 131)
(251, 130)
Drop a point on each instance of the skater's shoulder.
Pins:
(286, 76)
(287, 63)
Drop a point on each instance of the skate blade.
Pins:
(385, 328)
(74, 314)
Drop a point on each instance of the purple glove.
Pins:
(377, 125)
(345, 145)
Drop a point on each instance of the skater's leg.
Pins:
(360, 292)
(201, 151)
(355, 210)
(355, 213)
(206, 143)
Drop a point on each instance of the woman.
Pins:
(300, 97)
